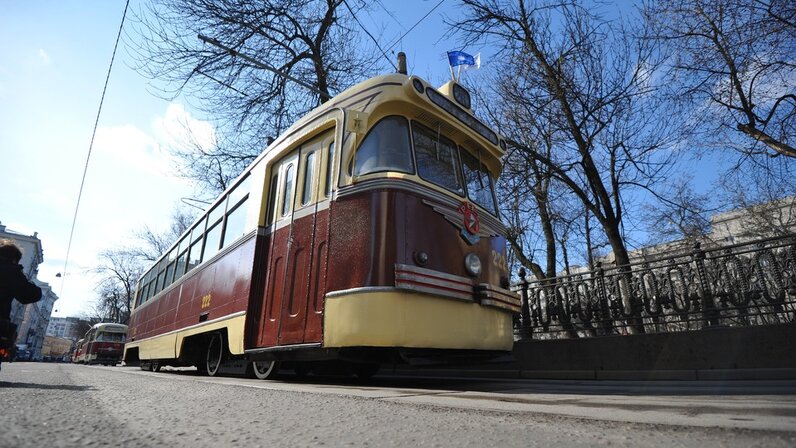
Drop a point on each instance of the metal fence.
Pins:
(739, 285)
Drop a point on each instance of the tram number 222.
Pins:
(206, 301)
(499, 261)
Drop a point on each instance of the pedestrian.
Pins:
(13, 285)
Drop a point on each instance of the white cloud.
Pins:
(133, 147)
(180, 131)
(44, 57)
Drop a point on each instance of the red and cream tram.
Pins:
(79, 355)
(366, 233)
(104, 344)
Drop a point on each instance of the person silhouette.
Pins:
(13, 285)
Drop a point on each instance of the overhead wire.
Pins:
(90, 147)
(397, 41)
(415, 25)
(345, 2)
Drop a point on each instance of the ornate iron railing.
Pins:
(739, 285)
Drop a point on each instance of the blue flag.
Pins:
(460, 58)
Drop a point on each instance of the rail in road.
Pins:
(759, 405)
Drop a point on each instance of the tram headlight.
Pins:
(421, 258)
(473, 264)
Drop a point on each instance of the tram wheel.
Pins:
(265, 370)
(155, 366)
(215, 354)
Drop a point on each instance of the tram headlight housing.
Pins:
(462, 96)
(473, 264)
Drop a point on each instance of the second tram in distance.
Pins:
(366, 233)
(102, 344)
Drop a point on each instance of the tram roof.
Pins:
(396, 79)
(109, 326)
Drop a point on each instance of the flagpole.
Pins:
(453, 78)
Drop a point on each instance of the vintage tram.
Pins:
(104, 344)
(79, 355)
(367, 233)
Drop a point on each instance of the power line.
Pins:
(408, 31)
(368, 33)
(91, 145)
(416, 24)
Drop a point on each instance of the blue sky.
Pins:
(53, 63)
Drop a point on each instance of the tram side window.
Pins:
(195, 252)
(236, 223)
(150, 285)
(287, 198)
(170, 267)
(329, 160)
(385, 148)
(479, 182)
(235, 226)
(272, 198)
(213, 240)
(309, 170)
(161, 276)
(215, 223)
(182, 250)
(437, 159)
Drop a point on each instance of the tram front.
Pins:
(417, 250)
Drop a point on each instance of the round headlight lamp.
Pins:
(473, 264)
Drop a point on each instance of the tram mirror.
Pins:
(356, 122)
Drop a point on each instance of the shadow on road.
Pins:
(4, 384)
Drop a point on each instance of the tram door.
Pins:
(298, 248)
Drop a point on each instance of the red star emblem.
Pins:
(470, 216)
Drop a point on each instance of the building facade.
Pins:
(67, 327)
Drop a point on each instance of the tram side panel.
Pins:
(297, 280)
(210, 293)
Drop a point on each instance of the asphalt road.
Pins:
(54, 405)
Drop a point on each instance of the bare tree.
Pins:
(680, 213)
(120, 270)
(154, 244)
(81, 328)
(589, 84)
(307, 40)
(734, 66)
(590, 87)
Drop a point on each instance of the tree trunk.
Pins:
(634, 321)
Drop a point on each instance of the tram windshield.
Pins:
(110, 337)
(388, 147)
